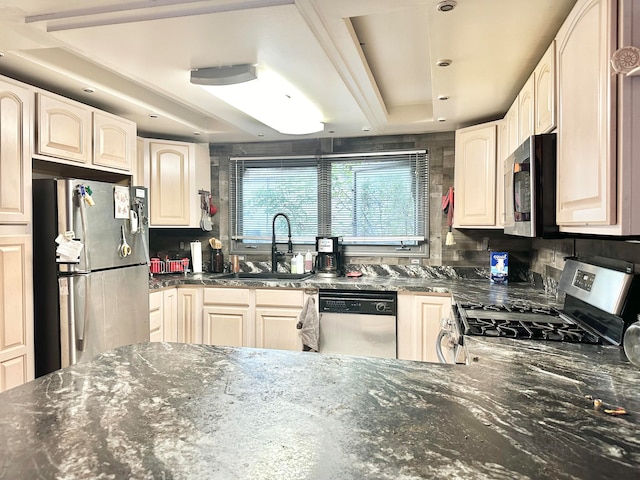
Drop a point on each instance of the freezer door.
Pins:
(103, 310)
(103, 229)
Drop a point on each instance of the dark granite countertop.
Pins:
(155, 410)
(463, 289)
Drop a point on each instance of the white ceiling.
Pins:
(367, 64)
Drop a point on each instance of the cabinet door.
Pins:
(16, 311)
(170, 315)
(276, 328)
(15, 157)
(114, 141)
(189, 308)
(64, 129)
(170, 184)
(225, 325)
(475, 176)
(277, 314)
(545, 92)
(156, 317)
(526, 110)
(513, 128)
(586, 163)
(419, 320)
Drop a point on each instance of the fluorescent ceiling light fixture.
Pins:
(263, 95)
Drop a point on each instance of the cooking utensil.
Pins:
(447, 207)
(205, 220)
(124, 249)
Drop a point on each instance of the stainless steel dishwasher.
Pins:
(354, 322)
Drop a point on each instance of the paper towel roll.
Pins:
(196, 256)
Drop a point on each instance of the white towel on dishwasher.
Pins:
(308, 323)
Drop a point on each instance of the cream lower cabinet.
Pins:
(228, 317)
(163, 315)
(419, 320)
(16, 311)
(189, 322)
(277, 314)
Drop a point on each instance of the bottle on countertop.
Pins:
(299, 263)
(294, 265)
(308, 262)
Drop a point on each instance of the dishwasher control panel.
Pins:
(357, 302)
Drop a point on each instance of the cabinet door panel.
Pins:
(64, 129)
(475, 177)
(13, 372)
(545, 92)
(170, 315)
(114, 141)
(586, 165)
(15, 158)
(170, 181)
(16, 310)
(224, 326)
(526, 110)
(276, 328)
(156, 317)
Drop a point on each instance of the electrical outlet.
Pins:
(181, 245)
(415, 261)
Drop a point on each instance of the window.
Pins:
(374, 202)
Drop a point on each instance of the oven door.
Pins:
(449, 342)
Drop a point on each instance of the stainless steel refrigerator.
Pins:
(91, 293)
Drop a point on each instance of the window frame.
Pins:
(419, 247)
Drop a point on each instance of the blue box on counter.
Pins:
(499, 272)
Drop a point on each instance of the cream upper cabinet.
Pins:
(503, 153)
(114, 141)
(419, 320)
(177, 172)
(476, 177)
(598, 143)
(228, 317)
(545, 92)
(526, 107)
(513, 127)
(586, 162)
(16, 311)
(277, 314)
(15, 155)
(64, 128)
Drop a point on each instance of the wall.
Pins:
(471, 248)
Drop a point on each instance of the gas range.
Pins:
(520, 321)
(599, 305)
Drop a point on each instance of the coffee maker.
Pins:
(329, 259)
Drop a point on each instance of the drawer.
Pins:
(280, 297)
(227, 296)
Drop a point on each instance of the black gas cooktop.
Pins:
(521, 321)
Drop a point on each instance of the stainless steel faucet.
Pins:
(274, 250)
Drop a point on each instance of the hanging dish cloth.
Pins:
(447, 207)
(310, 326)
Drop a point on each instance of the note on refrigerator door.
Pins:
(68, 249)
(121, 201)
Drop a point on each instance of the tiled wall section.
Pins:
(471, 248)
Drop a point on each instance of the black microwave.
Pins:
(530, 188)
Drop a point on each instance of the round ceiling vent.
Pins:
(445, 62)
(446, 6)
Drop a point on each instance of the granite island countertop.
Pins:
(157, 410)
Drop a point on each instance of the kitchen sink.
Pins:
(266, 276)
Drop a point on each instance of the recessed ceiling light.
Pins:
(88, 90)
(2, 54)
(261, 134)
(443, 97)
(445, 62)
(197, 133)
(446, 6)
(153, 115)
(442, 119)
(366, 129)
